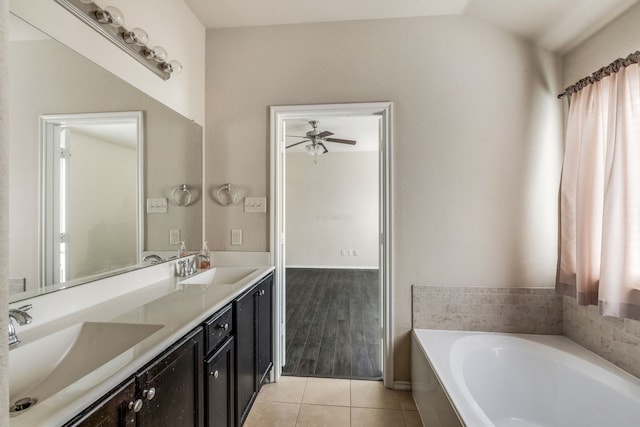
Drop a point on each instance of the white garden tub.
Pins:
(506, 380)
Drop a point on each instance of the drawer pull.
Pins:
(149, 394)
(224, 327)
(215, 374)
(136, 406)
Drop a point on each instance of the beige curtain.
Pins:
(599, 258)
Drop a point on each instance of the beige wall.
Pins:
(477, 140)
(4, 209)
(332, 205)
(170, 24)
(617, 40)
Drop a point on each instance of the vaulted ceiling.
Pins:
(557, 25)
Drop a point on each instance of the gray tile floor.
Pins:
(333, 323)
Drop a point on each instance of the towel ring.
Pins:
(226, 195)
(180, 201)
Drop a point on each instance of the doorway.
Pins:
(336, 271)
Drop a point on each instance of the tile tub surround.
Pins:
(490, 309)
(614, 339)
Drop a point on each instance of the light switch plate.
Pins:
(156, 205)
(236, 237)
(174, 236)
(255, 204)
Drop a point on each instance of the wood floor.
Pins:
(333, 323)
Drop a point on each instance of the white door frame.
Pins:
(277, 217)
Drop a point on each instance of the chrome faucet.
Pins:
(22, 318)
(187, 267)
(155, 259)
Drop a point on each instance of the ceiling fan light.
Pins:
(311, 149)
(319, 150)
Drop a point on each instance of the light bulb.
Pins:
(172, 67)
(160, 55)
(156, 53)
(137, 36)
(110, 15)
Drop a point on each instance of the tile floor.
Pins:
(301, 401)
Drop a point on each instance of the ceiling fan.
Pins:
(317, 140)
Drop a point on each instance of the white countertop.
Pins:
(180, 308)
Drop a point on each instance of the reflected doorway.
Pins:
(91, 186)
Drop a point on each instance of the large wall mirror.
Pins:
(87, 152)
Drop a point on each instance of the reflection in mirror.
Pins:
(91, 217)
(51, 80)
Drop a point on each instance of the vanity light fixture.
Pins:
(109, 21)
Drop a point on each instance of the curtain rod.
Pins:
(603, 72)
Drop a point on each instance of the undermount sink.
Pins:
(41, 368)
(220, 276)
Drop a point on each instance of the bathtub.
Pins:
(509, 380)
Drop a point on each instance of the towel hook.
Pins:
(184, 193)
(226, 195)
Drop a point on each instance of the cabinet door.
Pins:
(115, 410)
(264, 329)
(172, 387)
(220, 396)
(245, 354)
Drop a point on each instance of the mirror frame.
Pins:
(47, 122)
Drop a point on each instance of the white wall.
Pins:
(332, 205)
(170, 24)
(103, 218)
(477, 140)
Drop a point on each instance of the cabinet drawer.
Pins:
(218, 328)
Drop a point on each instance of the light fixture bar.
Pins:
(87, 13)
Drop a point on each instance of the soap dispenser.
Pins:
(205, 260)
(182, 252)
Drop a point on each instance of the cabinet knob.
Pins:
(136, 406)
(215, 374)
(149, 394)
(224, 327)
(260, 292)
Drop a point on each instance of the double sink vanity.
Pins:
(145, 348)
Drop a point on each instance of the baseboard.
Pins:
(334, 267)
(402, 385)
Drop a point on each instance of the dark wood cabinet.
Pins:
(245, 355)
(253, 323)
(172, 386)
(264, 326)
(220, 386)
(210, 377)
(115, 410)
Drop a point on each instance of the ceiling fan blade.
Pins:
(296, 136)
(297, 143)
(324, 134)
(325, 148)
(341, 141)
